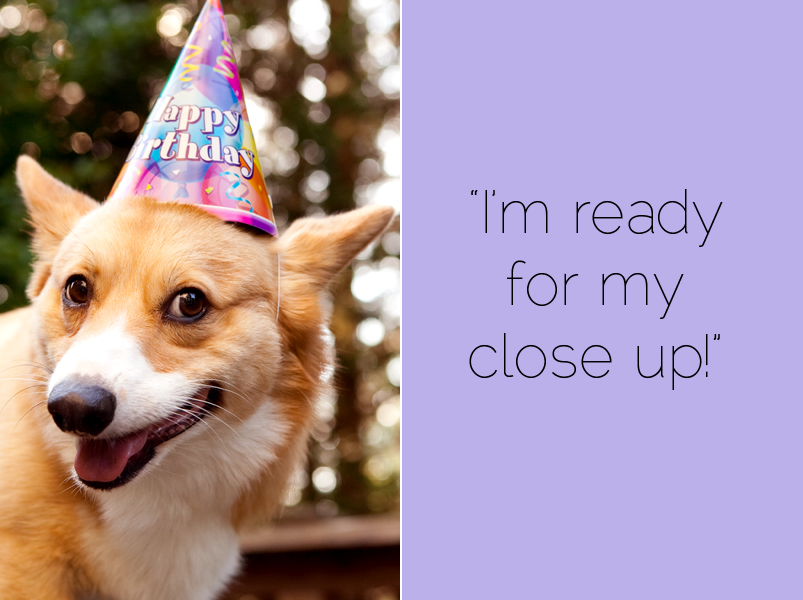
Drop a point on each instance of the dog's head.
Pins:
(175, 338)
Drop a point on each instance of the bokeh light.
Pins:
(371, 331)
(309, 24)
(324, 479)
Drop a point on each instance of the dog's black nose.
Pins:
(81, 407)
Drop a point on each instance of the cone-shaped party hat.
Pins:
(197, 146)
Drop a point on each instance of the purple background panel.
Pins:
(617, 487)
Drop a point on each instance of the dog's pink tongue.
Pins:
(104, 460)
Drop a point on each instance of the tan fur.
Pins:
(138, 253)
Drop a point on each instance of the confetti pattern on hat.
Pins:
(197, 146)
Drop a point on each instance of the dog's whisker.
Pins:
(161, 469)
(209, 425)
(19, 392)
(26, 393)
(241, 393)
(217, 435)
(35, 383)
(42, 381)
(76, 488)
(225, 410)
(223, 389)
(207, 413)
(25, 415)
(73, 488)
(222, 443)
(231, 385)
(44, 377)
(38, 365)
(228, 387)
(25, 362)
(233, 393)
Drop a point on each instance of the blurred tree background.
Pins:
(322, 81)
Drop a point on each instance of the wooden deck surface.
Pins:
(342, 558)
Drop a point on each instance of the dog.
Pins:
(158, 393)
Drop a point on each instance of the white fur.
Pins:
(144, 396)
(168, 533)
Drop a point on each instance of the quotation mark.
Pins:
(717, 337)
(474, 192)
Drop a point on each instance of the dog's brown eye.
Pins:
(188, 304)
(77, 290)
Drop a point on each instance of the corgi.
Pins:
(158, 393)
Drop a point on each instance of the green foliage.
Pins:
(113, 47)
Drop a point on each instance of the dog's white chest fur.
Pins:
(170, 559)
(168, 535)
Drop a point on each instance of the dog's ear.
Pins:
(315, 250)
(53, 207)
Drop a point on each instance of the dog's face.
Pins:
(166, 328)
(151, 314)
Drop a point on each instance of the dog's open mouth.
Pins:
(108, 463)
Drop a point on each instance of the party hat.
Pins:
(197, 146)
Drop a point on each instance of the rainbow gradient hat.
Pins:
(197, 146)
